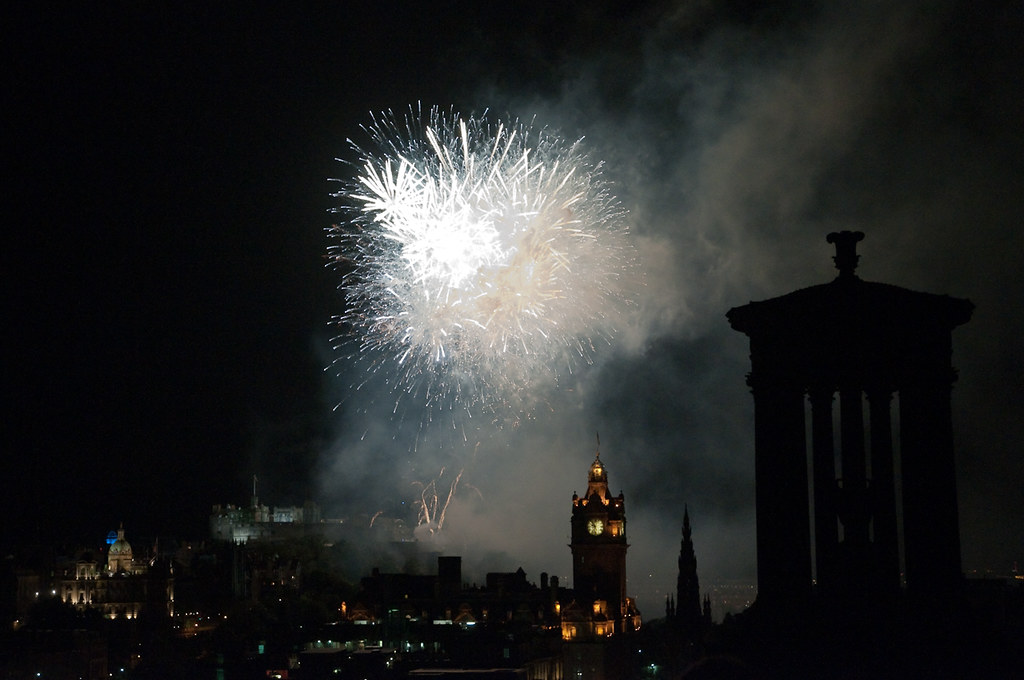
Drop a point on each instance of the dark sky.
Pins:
(167, 304)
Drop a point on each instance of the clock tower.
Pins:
(599, 549)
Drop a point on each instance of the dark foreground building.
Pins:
(856, 485)
(864, 342)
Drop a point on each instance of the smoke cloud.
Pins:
(738, 139)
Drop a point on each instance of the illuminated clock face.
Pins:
(595, 527)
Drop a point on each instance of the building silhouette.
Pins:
(692, 615)
(885, 352)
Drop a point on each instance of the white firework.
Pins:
(479, 259)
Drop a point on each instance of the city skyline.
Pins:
(170, 301)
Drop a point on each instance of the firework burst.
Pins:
(479, 259)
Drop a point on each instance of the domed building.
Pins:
(124, 587)
(119, 556)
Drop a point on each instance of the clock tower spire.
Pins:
(599, 553)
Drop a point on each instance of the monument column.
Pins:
(883, 485)
(930, 518)
(780, 472)
(854, 508)
(826, 534)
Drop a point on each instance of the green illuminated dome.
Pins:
(119, 556)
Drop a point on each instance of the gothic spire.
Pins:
(688, 605)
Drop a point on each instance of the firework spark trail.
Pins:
(478, 259)
(431, 509)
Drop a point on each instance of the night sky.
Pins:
(167, 306)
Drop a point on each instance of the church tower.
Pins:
(599, 548)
